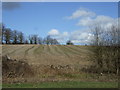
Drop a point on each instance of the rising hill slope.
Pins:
(48, 63)
(49, 54)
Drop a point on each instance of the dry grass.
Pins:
(47, 55)
(53, 62)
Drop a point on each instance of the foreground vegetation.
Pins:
(66, 66)
(64, 84)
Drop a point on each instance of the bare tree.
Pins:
(50, 41)
(6, 35)
(69, 42)
(0, 33)
(114, 44)
(35, 39)
(31, 39)
(47, 40)
(15, 37)
(55, 42)
(21, 37)
(26, 41)
(40, 40)
(106, 48)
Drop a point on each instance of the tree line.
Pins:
(17, 37)
(105, 45)
(106, 48)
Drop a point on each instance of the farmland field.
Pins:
(49, 54)
(54, 63)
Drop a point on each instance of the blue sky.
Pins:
(45, 18)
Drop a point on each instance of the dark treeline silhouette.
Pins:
(69, 42)
(17, 37)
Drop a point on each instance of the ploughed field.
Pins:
(27, 64)
(49, 54)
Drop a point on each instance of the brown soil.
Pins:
(15, 68)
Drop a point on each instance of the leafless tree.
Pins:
(15, 37)
(40, 40)
(31, 39)
(26, 41)
(6, 35)
(69, 42)
(21, 37)
(106, 48)
(50, 41)
(0, 33)
(35, 39)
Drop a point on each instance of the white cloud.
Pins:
(86, 19)
(85, 36)
(103, 21)
(81, 13)
(81, 36)
(77, 36)
(61, 37)
(53, 32)
(65, 33)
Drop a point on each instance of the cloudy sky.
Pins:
(63, 20)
